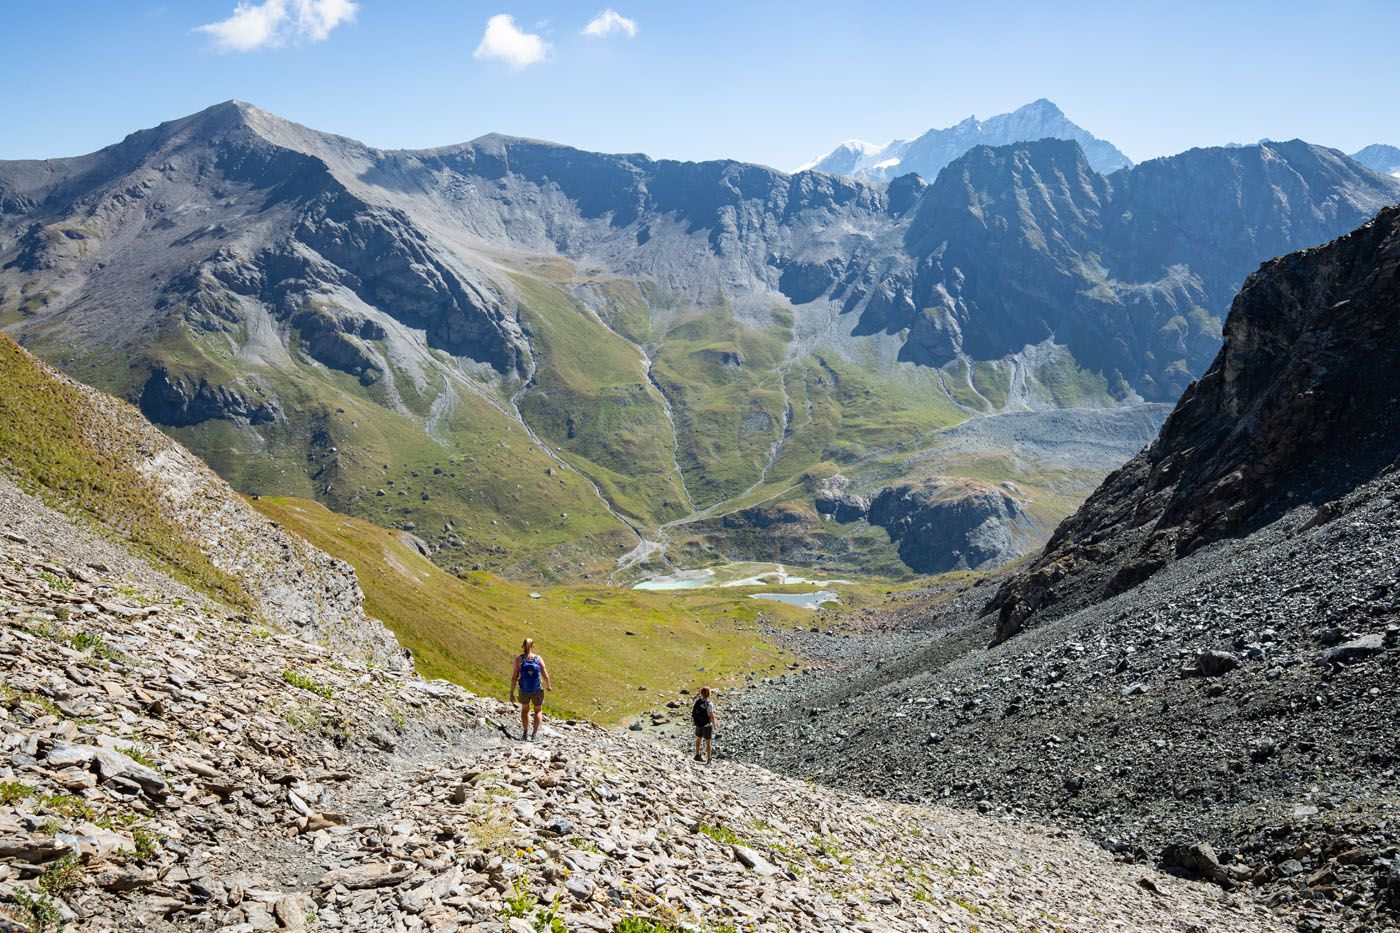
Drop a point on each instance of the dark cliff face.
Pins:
(943, 528)
(1299, 406)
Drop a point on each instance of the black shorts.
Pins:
(535, 699)
(707, 731)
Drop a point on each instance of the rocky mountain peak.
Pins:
(1380, 158)
(928, 153)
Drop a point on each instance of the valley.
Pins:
(654, 358)
(1030, 511)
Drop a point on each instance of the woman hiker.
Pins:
(532, 678)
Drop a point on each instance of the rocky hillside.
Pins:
(1200, 669)
(540, 358)
(84, 451)
(929, 153)
(1297, 408)
(170, 762)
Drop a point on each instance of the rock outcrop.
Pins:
(951, 525)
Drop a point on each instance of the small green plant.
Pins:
(11, 697)
(138, 755)
(69, 805)
(635, 924)
(721, 834)
(310, 719)
(62, 877)
(119, 820)
(13, 792)
(56, 582)
(42, 913)
(147, 843)
(303, 682)
(93, 644)
(520, 901)
(550, 919)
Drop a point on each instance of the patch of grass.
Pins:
(147, 843)
(468, 629)
(51, 446)
(591, 399)
(303, 682)
(12, 697)
(62, 877)
(93, 644)
(638, 924)
(449, 455)
(992, 380)
(56, 582)
(69, 805)
(725, 384)
(311, 719)
(721, 834)
(12, 792)
(1067, 384)
(39, 911)
(138, 755)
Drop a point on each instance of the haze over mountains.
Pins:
(536, 357)
(929, 153)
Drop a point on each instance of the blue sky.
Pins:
(775, 83)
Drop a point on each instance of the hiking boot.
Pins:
(698, 758)
(524, 735)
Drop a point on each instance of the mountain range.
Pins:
(929, 153)
(538, 359)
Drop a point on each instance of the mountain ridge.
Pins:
(643, 340)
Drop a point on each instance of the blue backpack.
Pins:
(530, 674)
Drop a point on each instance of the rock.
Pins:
(751, 860)
(293, 911)
(1358, 649)
(580, 887)
(1214, 663)
(1200, 859)
(560, 827)
(365, 875)
(113, 765)
(66, 754)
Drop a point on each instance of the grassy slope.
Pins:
(591, 399)
(467, 630)
(725, 386)
(512, 507)
(51, 446)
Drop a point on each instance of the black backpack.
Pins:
(700, 712)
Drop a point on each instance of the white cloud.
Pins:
(610, 23)
(274, 23)
(509, 43)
